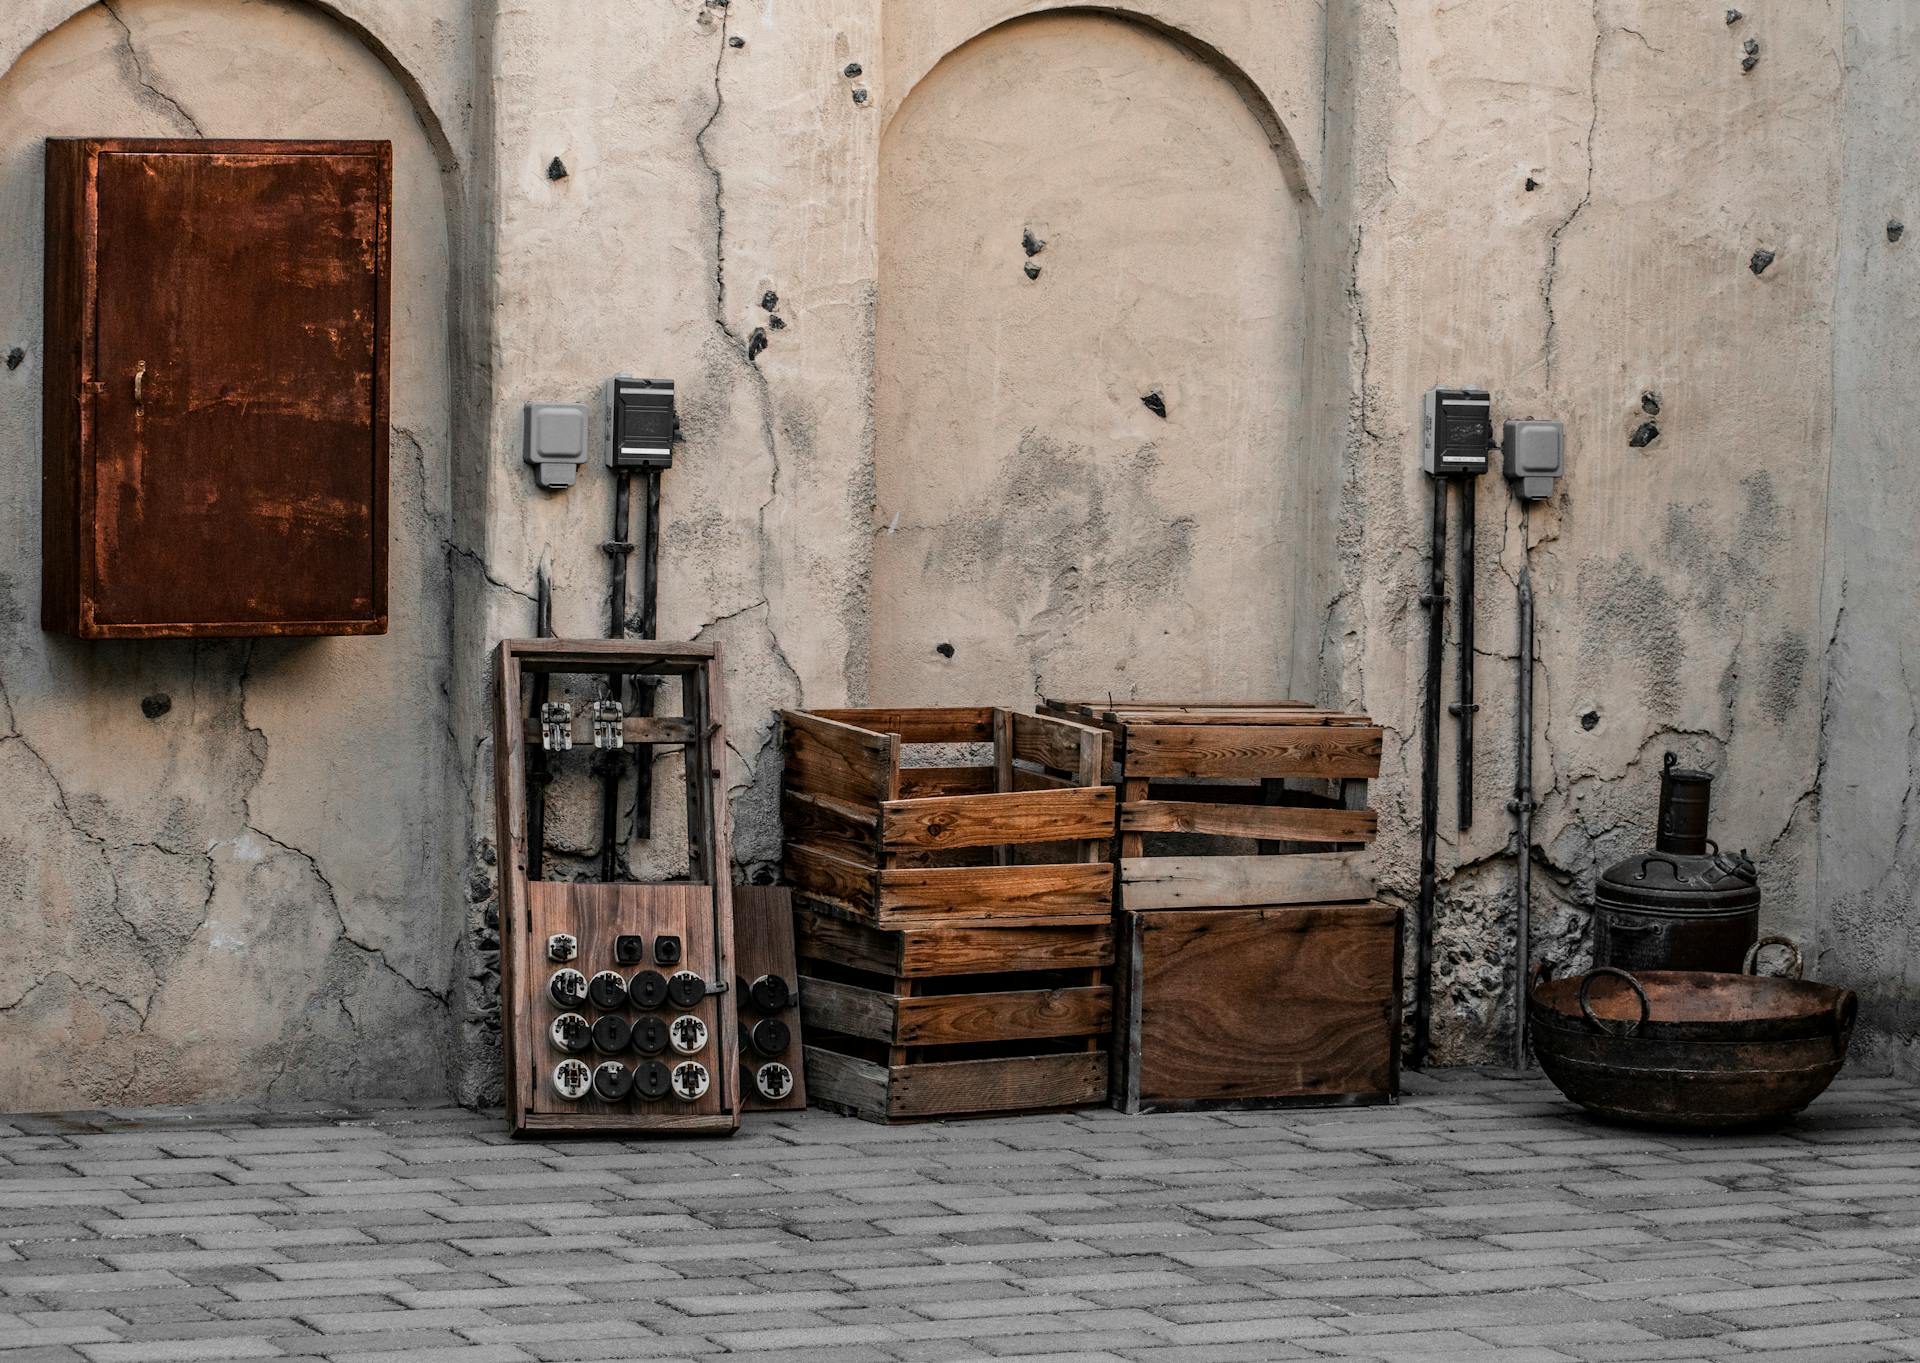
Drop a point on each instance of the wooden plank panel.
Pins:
(944, 724)
(1072, 892)
(1221, 882)
(845, 830)
(990, 820)
(847, 1081)
(1056, 743)
(826, 758)
(763, 944)
(832, 1006)
(1248, 750)
(1019, 1084)
(1240, 1005)
(1014, 1015)
(1024, 779)
(916, 952)
(1302, 716)
(1249, 821)
(836, 880)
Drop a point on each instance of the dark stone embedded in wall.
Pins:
(156, 705)
(1748, 62)
(1761, 259)
(756, 342)
(1650, 403)
(556, 169)
(1895, 230)
(769, 300)
(1644, 436)
(1031, 244)
(1531, 185)
(1733, 17)
(1033, 270)
(860, 96)
(15, 358)
(1590, 720)
(1156, 404)
(944, 650)
(776, 323)
(736, 41)
(853, 69)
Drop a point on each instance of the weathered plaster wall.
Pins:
(1678, 584)
(214, 884)
(1040, 530)
(1869, 865)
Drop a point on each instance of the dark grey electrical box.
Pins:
(640, 423)
(1456, 431)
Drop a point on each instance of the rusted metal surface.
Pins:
(1686, 905)
(1689, 1048)
(217, 333)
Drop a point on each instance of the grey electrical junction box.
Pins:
(1456, 431)
(1533, 456)
(554, 438)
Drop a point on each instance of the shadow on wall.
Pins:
(233, 874)
(1090, 382)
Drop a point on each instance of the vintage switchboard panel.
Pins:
(616, 998)
(772, 1070)
(216, 388)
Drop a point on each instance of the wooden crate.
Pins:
(1000, 817)
(916, 1023)
(1254, 965)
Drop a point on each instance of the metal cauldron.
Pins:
(1690, 1048)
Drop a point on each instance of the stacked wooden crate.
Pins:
(953, 919)
(1254, 966)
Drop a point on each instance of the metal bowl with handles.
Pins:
(1690, 1047)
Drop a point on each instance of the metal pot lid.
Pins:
(1724, 879)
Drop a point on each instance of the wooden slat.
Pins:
(1023, 779)
(992, 820)
(1060, 744)
(828, 758)
(847, 1081)
(955, 1019)
(1249, 821)
(946, 724)
(1301, 716)
(1248, 750)
(915, 952)
(1222, 882)
(1014, 1085)
(637, 729)
(926, 782)
(836, 880)
(1064, 893)
(831, 825)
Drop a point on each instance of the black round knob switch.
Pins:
(770, 993)
(770, 1036)
(648, 989)
(607, 990)
(651, 1079)
(611, 1034)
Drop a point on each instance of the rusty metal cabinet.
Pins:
(215, 423)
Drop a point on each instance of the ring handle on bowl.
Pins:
(1774, 940)
(1844, 1009)
(1542, 972)
(1599, 1023)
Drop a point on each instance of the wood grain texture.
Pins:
(1062, 893)
(1251, 750)
(1233, 1007)
(989, 820)
(923, 952)
(218, 446)
(763, 944)
(956, 1019)
(947, 724)
(825, 757)
(1218, 882)
(1077, 750)
(819, 821)
(1249, 821)
(957, 1088)
(928, 782)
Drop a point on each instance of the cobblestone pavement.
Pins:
(1480, 1217)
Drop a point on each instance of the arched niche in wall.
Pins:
(1040, 525)
(249, 885)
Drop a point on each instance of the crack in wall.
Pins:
(1552, 343)
(158, 97)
